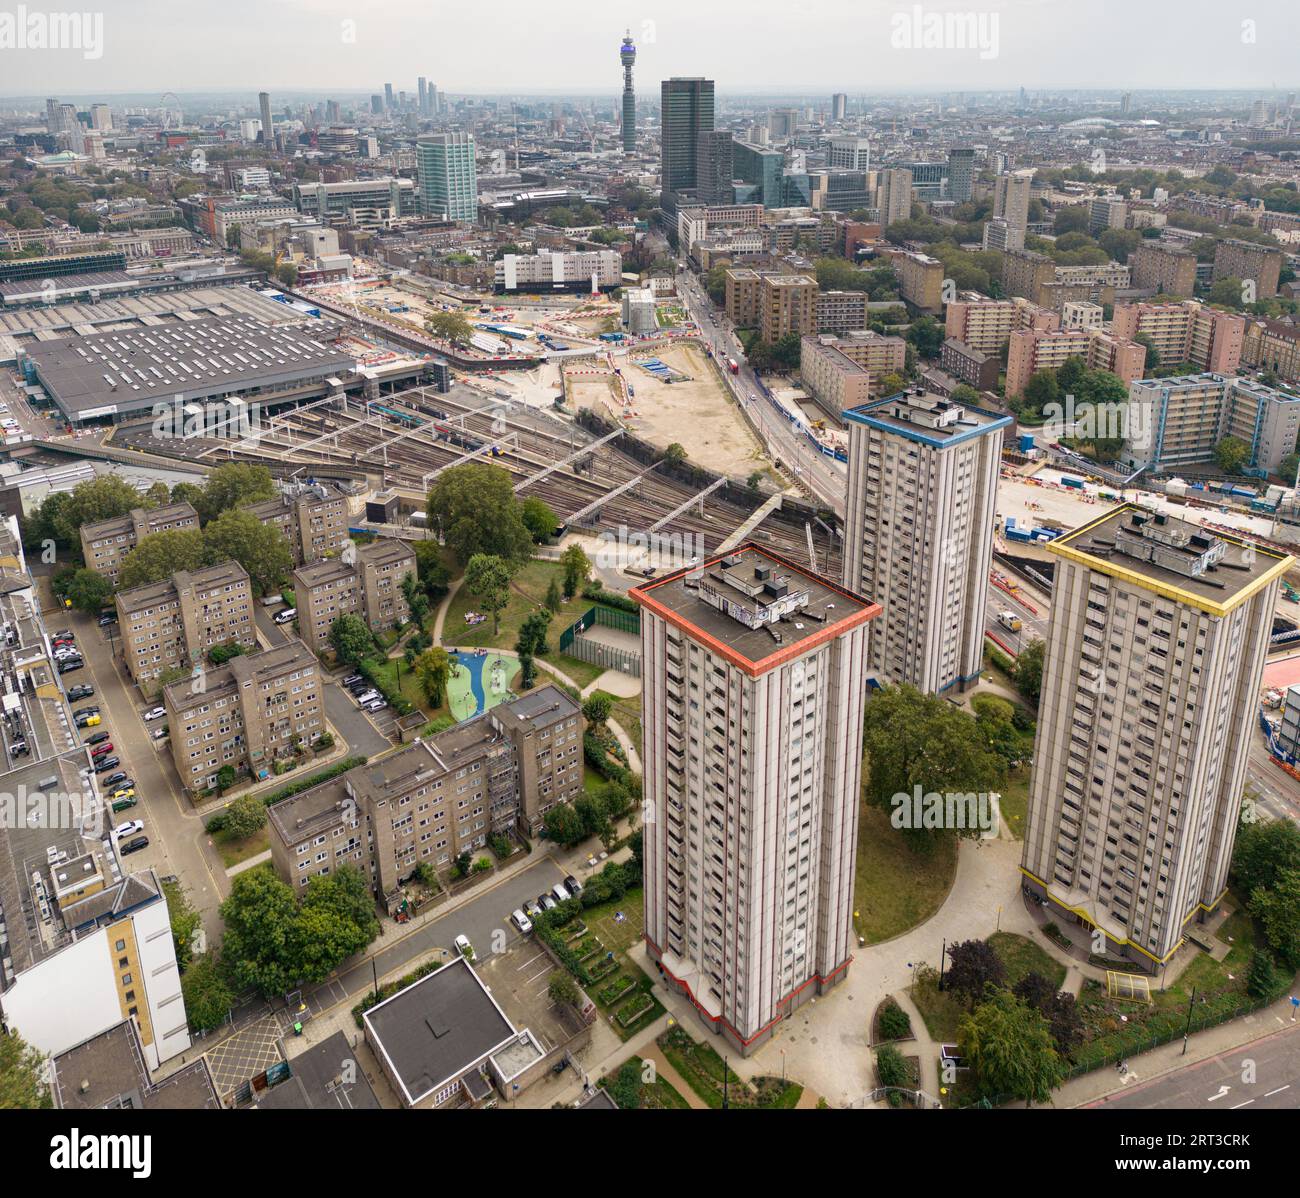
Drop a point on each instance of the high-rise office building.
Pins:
(268, 124)
(894, 195)
(1151, 679)
(923, 476)
(422, 86)
(376, 104)
(839, 106)
(389, 103)
(961, 174)
(446, 175)
(752, 709)
(686, 111)
(101, 117)
(849, 153)
(715, 167)
(1011, 197)
(627, 56)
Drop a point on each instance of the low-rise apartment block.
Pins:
(1272, 345)
(314, 520)
(787, 304)
(742, 297)
(1031, 350)
(248, 714)
(1185, 332)
(842, 311)
(368, 585)
(840, 372)
(575, 270)
(987, 324)
(106, 542)
(499, 772)
(972, 366)
(174, 624)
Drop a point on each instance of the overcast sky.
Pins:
(517, 46)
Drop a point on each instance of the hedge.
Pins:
(218, 821)
(598, 594)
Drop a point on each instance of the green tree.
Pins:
(351, 639)
(973, 966)
(475, 507)
(1262, 980)
(336, 920)
(245, 816)
(532, 635)
(487, 577)
(1010, 1050)
(207, 996)
(1226, 293)
(892, 1069)
(261, 919)
(673, 456)
(89, 591)
(539, 519)
(160, 554)
(576, 566)
(431, 571)
(22, 1075)
(563, 825)
(1231, 455)
(234, 485)
(433, 669)
(449, 326)
(61, 515)
(185, 922)
(1041, 390)
(1027, 672)
(1263, 851)
(1070, 220)
(625, 1089)
(262, 549)
(1277, 908)
(562, 989)
(926, 334)
(596, 708)
(554, 600)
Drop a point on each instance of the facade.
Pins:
(368, 584)
(987, 324)
(1272, 345)
(1185, 332)
(1165, 269)
(1150, 691)
(1031, 350)
(432, 800)
(106, 542)
(841, 371)
(961, 174)
(1106, 212)
(752, 710)
(761, 172)
(715, 167)
(1025, 272)
(1178, 422)
(842, 311)
(918, 536)
(313, 519)
(174, 624)
(554, 270)
(247, 714)
(447, 176)
(347, 199)
(1011, 198)
(787, 304)
(920, 281)
(638, 310)
(849, 153)
(999, 234)
(744, 288)
(686, 111)
(972, 366)
(894, 195)
(1244, 260)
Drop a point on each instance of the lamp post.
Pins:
(1188, 1028)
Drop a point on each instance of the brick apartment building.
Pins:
(1185, 332)
(841, 372)
(434, 799)
(1031, 350)
(173, 624)
(106, 542)
(787, 304)
(1166, 269)
(987, 324)
(1235, 259)
(248, 714)
(370, 586)
(314, 521)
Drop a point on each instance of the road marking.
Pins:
(1223, 1090)
(526, 964)
(1241, 1104)
(1278, 1090)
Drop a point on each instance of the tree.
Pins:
(625, 1089)
(1226, 293)
(449, 326)
(1010, 1051)
(1261, 981)
(351, 639)
(1119, 243)
(1041, 390)
(261, 922)
(926, 334)
(336, 920)
(562, 989)
(475, 507)
(527, 671)
(433, 668)
(1151, 363)
(487, 577)
(596, 708)
(61, 516)
(1027, 672)
(532, 635)
(1263, 852)
(563, 825)
(1288, 468)
(430, 570)
(538, 518)
(89, 591)
(245, 816)
(673, 456)
(185, 922)
(1277, 908)
(962, 393)
(22, 1075)
(235, 485)
(262, 549)
(207, 997)
(892, 1070)
(1058, 1008)
(576, 566)
(1071, 220)
(554, 600)
(594, 816)
(973, 966)
(160, 554)
(1231, 455)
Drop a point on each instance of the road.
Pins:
(826, 478)
(1263, 1075)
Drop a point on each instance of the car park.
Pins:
(118, 779)
(154, 713)
(89, 709)
(367, 696)
(521, 921)
(107, 763)
(101, 749)
(534, 908)
(134, 846)
(353, 679)
(376, 705)
(18, 749)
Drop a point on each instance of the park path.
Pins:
(664, 1068)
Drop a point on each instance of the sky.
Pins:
(569, 47)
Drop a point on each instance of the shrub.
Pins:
(894, 1022)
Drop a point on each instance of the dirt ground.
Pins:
(594, 391)
(699, 414)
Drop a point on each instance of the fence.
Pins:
(609, 617)
(596, 653)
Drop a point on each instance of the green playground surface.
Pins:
(478, 684)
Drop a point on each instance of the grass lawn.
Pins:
(234, 849)
(627, 712)
(658, 1095)
(388, 668)
(896, 888)
(703, 1070)
(941, 1011)
(582, 672)
(1020, 955)
(1015, 800)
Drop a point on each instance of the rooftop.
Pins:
(324, 1078)
(108, 1072)
(1173, 557)
(927, 418)
(755, 608)
(151, 593)
(250, 668)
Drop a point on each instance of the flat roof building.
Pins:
(367, 582)
(105, 543)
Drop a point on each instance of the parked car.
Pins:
(134, 846)
(367, 696)
(574, 886)
(87, 721)
(100, 750)
(154, 713)
(534, 908)
(464, 947)
(521, 921)
(81, 691)
(64, 632)
(286, 616)
(118, 779)
(560, 893)
(127, 801)
(18, 749)
(376, 704)
(66, 667)
(107, 618)
(160, 733)
(89, 709)
(130, 828)
(353, 679)
(107, 763)
(548, 902)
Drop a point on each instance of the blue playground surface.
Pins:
(468, 695)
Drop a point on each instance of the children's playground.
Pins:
(479, 681)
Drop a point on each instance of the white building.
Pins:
(851, 153)
(754, 676)
(1150, 692)
(639, 310)
(918, 533)
(557, 270)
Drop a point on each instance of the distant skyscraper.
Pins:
(1126, 103)
(422, 84)
(686, 111)
(447, 177)
(627, 55)
(850, 153)
(752, 710)
(715, 167)
(388, 96)
(376, 104)
(268, 124)
(839, 106)
(101, 116)
(961, 174)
